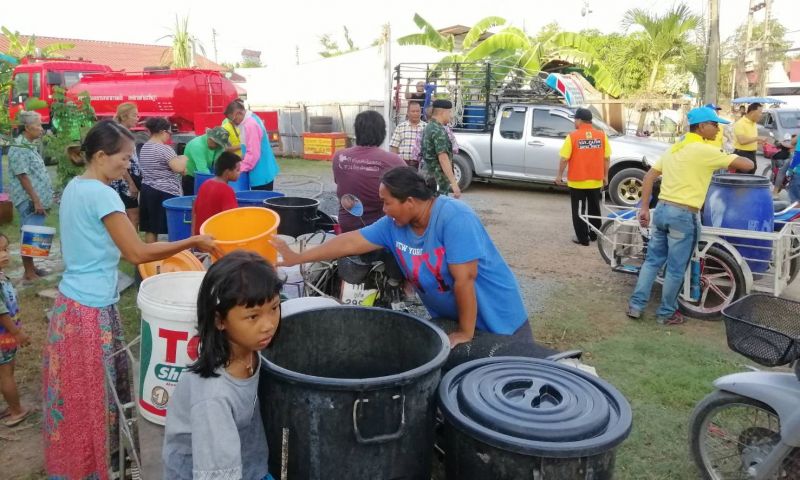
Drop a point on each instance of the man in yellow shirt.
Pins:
(745, 135)
(687, 169)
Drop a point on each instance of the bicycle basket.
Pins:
(764, 329)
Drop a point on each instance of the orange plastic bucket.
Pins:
(183, 261)
(245, 228)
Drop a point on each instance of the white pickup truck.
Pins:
(524, 146)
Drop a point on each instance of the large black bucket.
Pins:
(349, 393)
(298, 214)
(508, 418)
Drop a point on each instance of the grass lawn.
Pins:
(662, 372)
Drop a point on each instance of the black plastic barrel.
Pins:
(298, 214)
(349, 392)
(508, 418)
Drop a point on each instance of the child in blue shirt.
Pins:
(214, 427)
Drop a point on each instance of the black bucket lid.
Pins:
(740, 180)
(535, 407)
(300, 202)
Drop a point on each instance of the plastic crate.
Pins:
(764, 329)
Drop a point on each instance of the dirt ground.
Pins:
(532, 228)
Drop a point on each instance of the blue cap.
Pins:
(712, 106)
(704, 114)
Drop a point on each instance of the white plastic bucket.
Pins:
(36, 240)
(168, 303)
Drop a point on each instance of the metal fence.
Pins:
(295, 120)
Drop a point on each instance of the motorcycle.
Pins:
(372, 279)
(749, 427)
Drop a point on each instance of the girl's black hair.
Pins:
(240, 278)
(404, 182)
(157, 124)
(370, 129)
(226, 161)
(105, 136)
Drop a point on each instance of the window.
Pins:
(766, 120)
(512, 123)
(545, 124)
(20, 87)
(789, 119)
(37, 85)
(71, 78)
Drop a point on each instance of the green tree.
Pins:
(666, 37)
(21, 46)
(71, 121)
(330, 47)
(184, 45)
(514, 50)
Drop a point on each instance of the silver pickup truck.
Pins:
(524, 146)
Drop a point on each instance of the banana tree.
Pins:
(513, 51)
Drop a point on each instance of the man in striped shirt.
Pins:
(405, 135)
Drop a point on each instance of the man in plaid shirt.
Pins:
(405, 135)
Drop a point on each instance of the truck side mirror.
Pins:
(55, 78)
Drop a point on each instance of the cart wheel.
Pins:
(794, 264)
(630, 238)
(721, 283)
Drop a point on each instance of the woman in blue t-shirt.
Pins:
(79, 415)
(443, 250)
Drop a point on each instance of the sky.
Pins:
(277, 29)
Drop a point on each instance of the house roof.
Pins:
(460, 30)
(119, 56)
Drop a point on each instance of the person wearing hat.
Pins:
(719, 139)
(202, 152)
(686, 171)
(437, 149)
(587, 154)
(258, 160)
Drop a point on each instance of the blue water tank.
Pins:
(474, 117)
(743, 202)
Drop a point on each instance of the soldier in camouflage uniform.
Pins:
(437, 149)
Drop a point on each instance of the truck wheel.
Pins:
(463, 171)
(625, 188)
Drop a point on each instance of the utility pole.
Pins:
(712, 53)
(214, 43)
(297, 54)
(764, 64)
(387, 71)
(743, 84)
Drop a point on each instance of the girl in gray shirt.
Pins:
(214, 429)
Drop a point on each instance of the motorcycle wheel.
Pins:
(729, 433)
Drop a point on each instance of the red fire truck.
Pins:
(191, 99)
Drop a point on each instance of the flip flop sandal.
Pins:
(42, 272)
(4, 413)
(13, 422)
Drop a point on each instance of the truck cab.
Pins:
(524, 144)
(36, 78)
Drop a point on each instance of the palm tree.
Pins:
(666, 36)
(511, 48)
(183, 44)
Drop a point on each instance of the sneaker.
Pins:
(578, 242)
(633, 313)
(675, 319)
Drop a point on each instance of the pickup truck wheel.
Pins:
(462, 171)
(625, 188)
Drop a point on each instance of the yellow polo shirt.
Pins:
(233, 135)
(566, 152)
(687, 169)
(746, 128)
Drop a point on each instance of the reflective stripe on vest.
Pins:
(588, 154)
